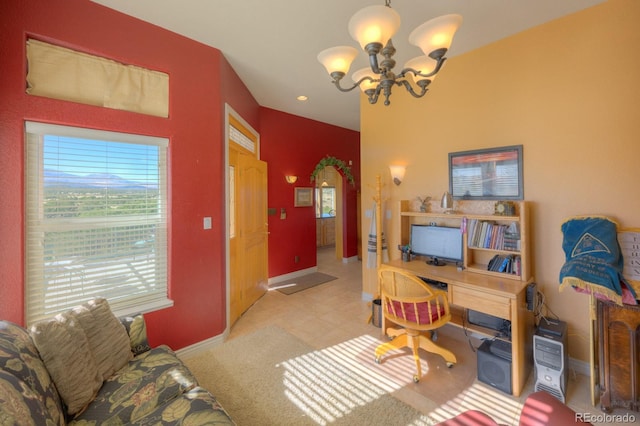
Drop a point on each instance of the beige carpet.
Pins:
(304, 282)
(270, 377)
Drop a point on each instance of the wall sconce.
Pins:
(447, 202)
(397, 173)
(291, 178)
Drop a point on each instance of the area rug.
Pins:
(304, 282)
(270, 377)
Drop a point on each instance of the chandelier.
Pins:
(373, 27)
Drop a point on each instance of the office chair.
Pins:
(416, 307)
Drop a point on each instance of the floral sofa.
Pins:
(87, 367)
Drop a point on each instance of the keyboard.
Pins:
(434, 283)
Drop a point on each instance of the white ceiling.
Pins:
(273, 44)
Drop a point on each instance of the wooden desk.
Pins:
(504, 298)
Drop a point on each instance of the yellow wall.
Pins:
(569, 92)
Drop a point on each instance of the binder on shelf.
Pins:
(505, 264)
(508, 264)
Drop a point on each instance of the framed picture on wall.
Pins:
(303, 197)
(487, 174)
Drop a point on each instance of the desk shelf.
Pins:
(476, 258)
(458, 320)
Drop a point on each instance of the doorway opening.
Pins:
(329, 210)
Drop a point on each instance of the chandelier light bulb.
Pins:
(436, 33)
(337, 59)
(374, 24)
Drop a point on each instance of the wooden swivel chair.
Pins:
(416, 307)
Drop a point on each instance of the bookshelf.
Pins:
(492, 244)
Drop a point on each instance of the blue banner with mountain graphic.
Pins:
(593, 259)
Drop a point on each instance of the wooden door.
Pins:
(249, 272)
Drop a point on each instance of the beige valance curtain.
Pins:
(60, 73)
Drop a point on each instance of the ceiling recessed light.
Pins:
(302, 98)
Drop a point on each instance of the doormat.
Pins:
(304, 282)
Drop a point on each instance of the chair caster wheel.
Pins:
(449, 364)
(416, 379)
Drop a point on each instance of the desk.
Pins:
(504, 298)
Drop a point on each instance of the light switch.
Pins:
(206, 223)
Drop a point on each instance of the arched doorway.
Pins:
(329, 210)
(333, 170)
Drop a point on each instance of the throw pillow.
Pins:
(108, 339)
(137, 330)
(64, 349)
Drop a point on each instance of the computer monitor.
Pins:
(439, 244)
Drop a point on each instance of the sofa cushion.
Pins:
(19, 357)
(147, 382)
(137, 331)
(20, 405)
(195, 407)
(108, 339)
(65, 350)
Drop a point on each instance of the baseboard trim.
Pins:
(367, 297)
(202, 346)
(580, 367)
(350, 259)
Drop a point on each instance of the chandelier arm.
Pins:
(407, 86)
(373, 62)
(357, 84)
(405, 71)
(373, 95)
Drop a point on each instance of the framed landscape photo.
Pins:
(487, 174)
(303, 197)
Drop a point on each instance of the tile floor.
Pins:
(334, 312)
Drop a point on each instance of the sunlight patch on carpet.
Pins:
(284, 381)
(330, 383)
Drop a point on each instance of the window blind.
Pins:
(96, 220)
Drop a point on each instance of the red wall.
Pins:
(200, 82)
(293, 145)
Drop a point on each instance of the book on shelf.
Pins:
(490, 235)
(505, 263)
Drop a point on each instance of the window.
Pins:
(96, 220)
(325, 202)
